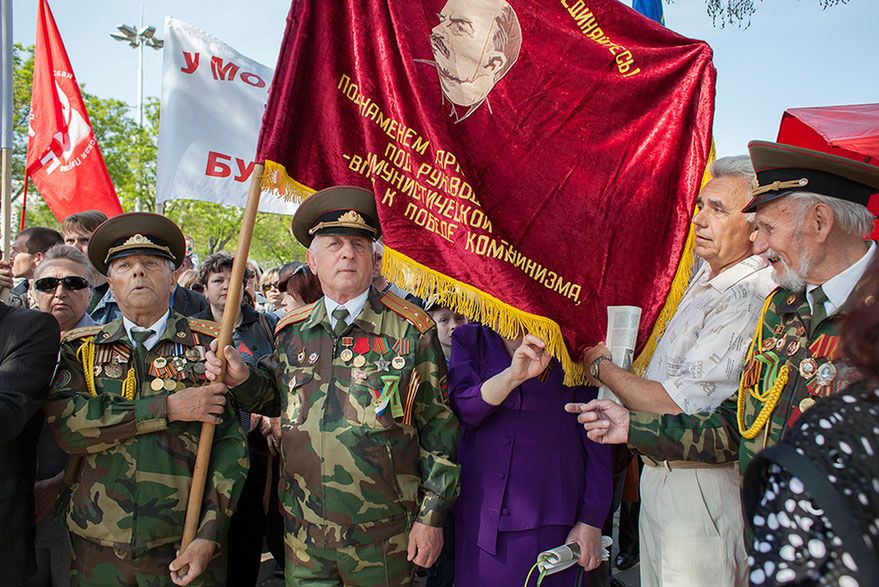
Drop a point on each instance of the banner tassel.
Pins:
(465, 299)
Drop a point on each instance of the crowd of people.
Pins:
(365, 437)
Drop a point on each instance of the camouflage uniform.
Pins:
(783, 338)
(126, 506)
(368, 438)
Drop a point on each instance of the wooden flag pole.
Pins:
(230, 313)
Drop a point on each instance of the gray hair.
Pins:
(377, 245)
(66, 253)
(853, 219)
(737, 166)
(168, 263)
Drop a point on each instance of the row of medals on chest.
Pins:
(354, 353)
(167, 372)
(808, 367)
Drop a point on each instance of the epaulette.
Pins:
(410, 312)
(208, 327)
(82, 332)
(294, 316)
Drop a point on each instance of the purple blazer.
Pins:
(525, 463)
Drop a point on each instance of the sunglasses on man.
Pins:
(50, 284)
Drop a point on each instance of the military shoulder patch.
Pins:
(294, 316)
(410, 312)
(208, 327)
(82, 332)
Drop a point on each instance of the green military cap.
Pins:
(136, 233)
(783, 169)
(342, 209)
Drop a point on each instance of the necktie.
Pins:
(818, 311)
(340, 313)
(140, 337)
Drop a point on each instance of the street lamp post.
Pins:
(137, 38)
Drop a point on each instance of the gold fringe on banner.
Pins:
(276, 181)
(477, 305)
(678, 285)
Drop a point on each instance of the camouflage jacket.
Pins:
(369, 439)
(814, 370)
(133, 476)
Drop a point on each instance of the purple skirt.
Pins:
(516, 554)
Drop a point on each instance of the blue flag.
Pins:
(650, 8)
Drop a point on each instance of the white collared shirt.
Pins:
(354, 305)
(158, 328)
(839, 287)
(700, 357)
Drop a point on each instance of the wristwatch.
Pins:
(596, 366)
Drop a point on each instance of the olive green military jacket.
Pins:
(132, 468)
(369, 439)
(783, 344)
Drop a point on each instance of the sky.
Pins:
(794, 54)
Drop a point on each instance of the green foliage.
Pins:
(739, 12)
(130, 155)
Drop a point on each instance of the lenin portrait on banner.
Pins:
(475, 44)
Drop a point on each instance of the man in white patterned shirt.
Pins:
(690, 523)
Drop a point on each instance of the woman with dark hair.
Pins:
(813, 499)
(253, 336)
(300, 285)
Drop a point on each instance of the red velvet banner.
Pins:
(533, 161)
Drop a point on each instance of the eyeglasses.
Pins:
(71, 282)
(271, 285)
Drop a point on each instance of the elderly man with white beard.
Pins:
(811, 219)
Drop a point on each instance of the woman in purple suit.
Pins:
(530, 478)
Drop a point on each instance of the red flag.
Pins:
(533, 162)
(63, 158)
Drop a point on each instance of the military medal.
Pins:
(826, 373)
(312, 358)
(401, 347)
(347, 354)
(169, 384)
(198, 368)
(359, 375)
(192, 354)
(779, 328)
(806, 403)
(791, 299)
(361, 347)
(808, 367)
(380, 345)
(793, 347)
(779, 344)
(292, 384)
(160, 362)
(768, 344)
(381, 364)
(114, 370)
(301, 356)
(98, 369)
(157, 384)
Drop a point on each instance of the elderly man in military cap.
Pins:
(369, 440)
(811, 220)
(127, 403)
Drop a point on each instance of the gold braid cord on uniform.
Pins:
(86, 354)
(768, 398)
(130, 384)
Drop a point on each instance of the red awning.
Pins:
(847, 131)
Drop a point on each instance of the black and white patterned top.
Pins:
(794, 543)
